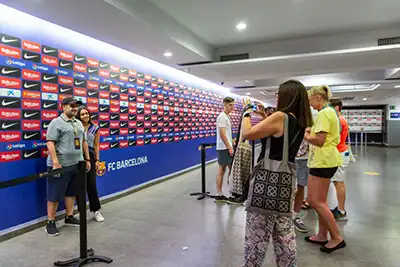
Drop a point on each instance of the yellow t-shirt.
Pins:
(328, 155)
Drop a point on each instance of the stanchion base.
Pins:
(202, 195)
(77, 262)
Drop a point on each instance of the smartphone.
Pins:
(255, 106)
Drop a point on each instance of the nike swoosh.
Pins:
(131, 143)
(26, 155)
(103, 65)
(114, 75)
(79, 83)
(30, 115)
(113, 132)
(122, 125)
(4, 71)
(103, 108)
(92, 93)
(62, 90)
(5, 126)
(123, 71)
(113, 117)
(4, 103)
(103, 124)
(45, 125)
(103, 86)
(48, 50)
(79, 58)
(48, 105)
(113, 96)
(29, 57)
(5, 40)
(62, 64)
(124, 90)
(26, 86)
(92, 70)
(29, 136)
(48, 78)
(113, 145)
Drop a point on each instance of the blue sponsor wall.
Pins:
(152, 156)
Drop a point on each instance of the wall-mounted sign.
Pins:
(395, 115)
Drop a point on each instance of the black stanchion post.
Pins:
(86, 256)
(203, 192)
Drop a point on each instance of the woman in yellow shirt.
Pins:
(323, 161)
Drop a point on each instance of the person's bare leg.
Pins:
(69, 205)
(341, 194)
(318, 191)
(298, 201)
(51, 210)
(220, 178)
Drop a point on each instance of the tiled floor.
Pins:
(149, 228)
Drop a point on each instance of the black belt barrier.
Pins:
(203, 192)
(86, 255)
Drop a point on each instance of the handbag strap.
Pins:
(285, 152)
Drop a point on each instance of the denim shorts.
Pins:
(302, 172)
(65, 185)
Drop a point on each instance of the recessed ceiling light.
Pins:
(247, 81)
(397, 86)
(167, 54)
(241, 26)
(364, 98)
(248, 93)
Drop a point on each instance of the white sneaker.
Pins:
(98, 217)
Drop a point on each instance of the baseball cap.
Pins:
(70, 100)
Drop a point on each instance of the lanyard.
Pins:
(74, 128)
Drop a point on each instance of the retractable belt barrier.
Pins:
(203, 194)
(86, 255)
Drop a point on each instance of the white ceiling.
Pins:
(317, 37)
(214, 21)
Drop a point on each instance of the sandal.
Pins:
(305, 205)
(322, 243)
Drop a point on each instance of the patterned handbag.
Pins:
(241, 166)
(273, 183)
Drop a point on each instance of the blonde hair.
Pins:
(322, 90)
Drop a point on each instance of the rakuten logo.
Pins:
(105, 95)
(79, 91)
(10, 156)
(10, 136)
(93, 62)
(50, 88)
(30, 125)
(124, 78)
(10, 51)
(114, 109)
(123, 117)
(104, 146)
(104, 73)
(104, 132)
(10, 82)
(65, 55)
(49, 115)
(114, 124)
(80, 67)
(65, 80)
(93, 108)
(30, 104)
(51, 61)
(31, 75)
(28, 45)
(123, 144)
(10, 114)
(104, 116)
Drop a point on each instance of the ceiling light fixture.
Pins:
(248, 93)
(167, 54)
(247, 81)
(241, 26)
(365, 98)
(397, 86)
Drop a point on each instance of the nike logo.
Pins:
(5, 40)
(123, 110)
(114, 96)
(102, 65)
(29, 136)
(123, 124)
(123, 90)
(27, 155)
(26, 86)
(46, 78)
(132, 143)
(92, 70)
(26, 56)
(146, 130)
(124, 70)
(79, 58)
(45, 50)
(114, 117)
(114, 145)
(45, 125)
(114, 131)
(103, 108)
(45, 105)
(103, 86)
(103, 124)
(92, 93)
(27, 115)
(114, 75)
(4, 103)
(140, 124)
(63, 90)
(5, 126)
(79, 83)
(5, 72)
(63, 64)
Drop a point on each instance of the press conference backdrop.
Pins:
(151, 122)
